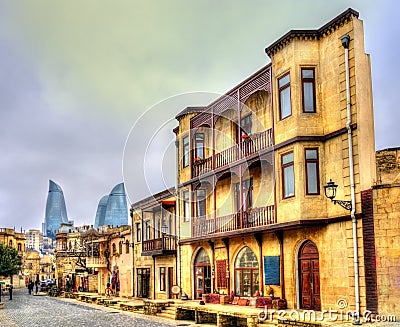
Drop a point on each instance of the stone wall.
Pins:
(387, 240)
(388, 166)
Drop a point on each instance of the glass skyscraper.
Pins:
(101, 212)
(56, 211)
(113, 209)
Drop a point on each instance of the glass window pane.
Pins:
(288, 174)
(307, 73)
(238, 280)
(284, 80)
(311, 154)
(256, 286)
(308, 97)
(286, 109)
(186, 151)
(312, 177)
(202, 257)
(287, 158)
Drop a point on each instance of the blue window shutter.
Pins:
(272, 270)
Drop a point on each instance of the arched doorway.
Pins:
(246, 273)
(310, 297)
(202, 274)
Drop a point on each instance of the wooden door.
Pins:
(310, 297)
(170, 281)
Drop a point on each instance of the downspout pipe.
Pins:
(345, 42)
(178, 219)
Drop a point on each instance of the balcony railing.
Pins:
(234, 222)
(247, 147)
(165, 243)
(96, 262)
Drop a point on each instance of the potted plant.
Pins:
(198, 160)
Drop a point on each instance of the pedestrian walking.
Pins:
(10, 290)
(67, 283)
(30, 287)
(37, 286)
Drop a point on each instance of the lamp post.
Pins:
(330, 193)
(122, 240)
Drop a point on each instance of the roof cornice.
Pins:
(312, 34)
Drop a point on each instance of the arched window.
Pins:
(114, 249)
(246, 273)
(10, 243)
(120, 247)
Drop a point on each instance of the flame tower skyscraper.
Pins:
(56, 211)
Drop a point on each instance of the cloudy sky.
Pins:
(77, 76)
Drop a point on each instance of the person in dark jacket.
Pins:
(10, 290)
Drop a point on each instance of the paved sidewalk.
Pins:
(33, 311)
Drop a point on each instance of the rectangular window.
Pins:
(162, 278)
(185, 151)
(127, 247)
(199, 145)
(312, 171)
(186, 206)
(201, 203)
(138, 233)
(288, 175)
(308, 86)
(246, 194)
(246, 126)
(147, 230)
(157, 231)
(285, 107)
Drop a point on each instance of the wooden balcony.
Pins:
(96, 262)
(159, 246)
(240, 221)
(248, 147)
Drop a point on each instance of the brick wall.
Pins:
(369, 250)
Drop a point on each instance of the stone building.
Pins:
(10, 237)
(155, 252)
(384, 233)
(31, 266)
(73, 246)
(34, 239)
(253, 164)
(46, 267)
(110, 260)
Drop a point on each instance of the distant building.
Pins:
(101, 212)
(112, 209)
(56, 211)
(34, 239)
(10, 237)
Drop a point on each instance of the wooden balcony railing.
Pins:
(164, 243)
(247, 147)
(96, 262)
(234, 222)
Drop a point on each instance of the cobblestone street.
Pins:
(31, 311)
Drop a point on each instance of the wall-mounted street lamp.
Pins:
(330, 193)
(122, 240)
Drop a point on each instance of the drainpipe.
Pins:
(177, 215)
(345, 42)
(133, 253)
